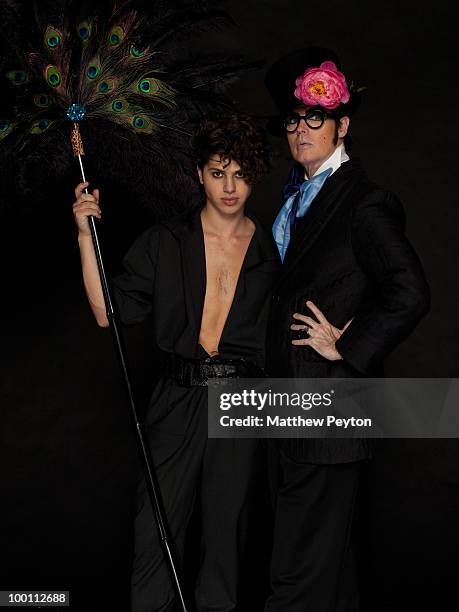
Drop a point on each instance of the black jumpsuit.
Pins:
(165, 276)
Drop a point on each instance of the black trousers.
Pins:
(186, 461)
(312, 567)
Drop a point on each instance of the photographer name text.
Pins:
(293, 421)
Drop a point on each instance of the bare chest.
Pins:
(223, 267)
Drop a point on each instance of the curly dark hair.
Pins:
(233, 137)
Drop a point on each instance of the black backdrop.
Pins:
(67, 452)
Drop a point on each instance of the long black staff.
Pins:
(147, 463)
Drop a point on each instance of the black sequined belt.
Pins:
(196, 372)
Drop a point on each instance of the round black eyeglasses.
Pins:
(313, 119)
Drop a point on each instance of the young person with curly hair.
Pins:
(205, 278)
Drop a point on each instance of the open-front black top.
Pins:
(165, 276)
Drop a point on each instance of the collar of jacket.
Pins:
(331, 196)
(187, 227)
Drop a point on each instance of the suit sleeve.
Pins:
(133, 288)
(400, 296)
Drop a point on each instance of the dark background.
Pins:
(67, 451)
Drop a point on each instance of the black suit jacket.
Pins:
(348, 255)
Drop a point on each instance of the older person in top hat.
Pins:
(351, 288)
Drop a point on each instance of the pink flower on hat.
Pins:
(325, 86)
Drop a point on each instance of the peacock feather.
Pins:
(123, 70)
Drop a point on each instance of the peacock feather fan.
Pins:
(126, 72)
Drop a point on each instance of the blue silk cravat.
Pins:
(299, 199)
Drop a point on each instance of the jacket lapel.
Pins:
(262, 247)
(188, 230)
(324, 206)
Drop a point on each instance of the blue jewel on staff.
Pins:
(76, 112)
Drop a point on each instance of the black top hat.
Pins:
(280, 82)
